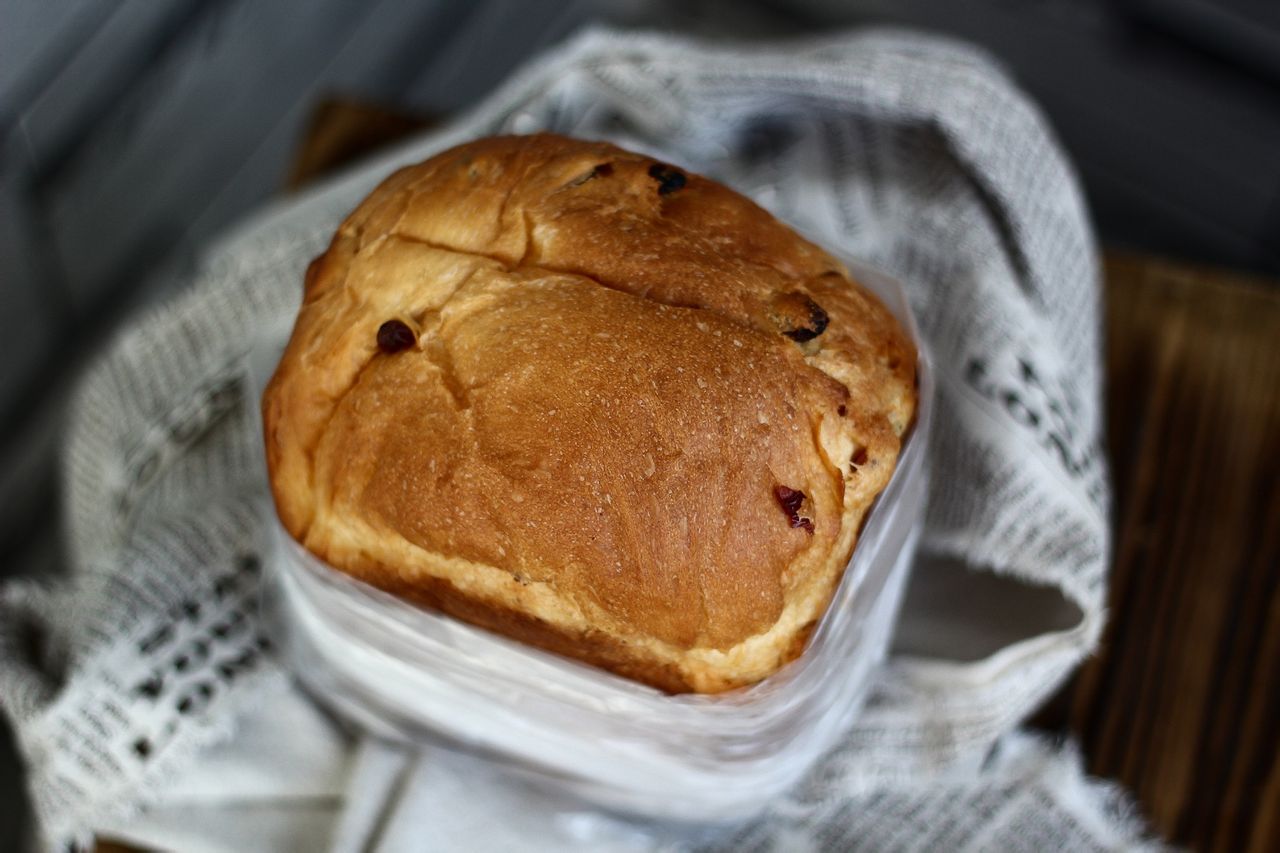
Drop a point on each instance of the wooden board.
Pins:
(1182, 704)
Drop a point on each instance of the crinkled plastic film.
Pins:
(409, 674)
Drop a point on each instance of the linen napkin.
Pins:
(153, 687)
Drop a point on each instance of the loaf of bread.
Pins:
(592, 402)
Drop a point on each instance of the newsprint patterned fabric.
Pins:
(145, 694)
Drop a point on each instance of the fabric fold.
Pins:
(913, 153)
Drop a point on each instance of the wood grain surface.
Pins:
(1182, 703)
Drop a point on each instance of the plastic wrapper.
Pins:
(409, 674)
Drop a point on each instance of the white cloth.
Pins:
(913, 153)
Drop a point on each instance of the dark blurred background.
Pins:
(132, 131)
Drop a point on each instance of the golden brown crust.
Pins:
(615, 376)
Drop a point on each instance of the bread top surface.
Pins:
(615, 399)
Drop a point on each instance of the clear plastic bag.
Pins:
(409, 674)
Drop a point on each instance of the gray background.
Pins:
(132, 131)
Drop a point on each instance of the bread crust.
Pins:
(601, 385)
